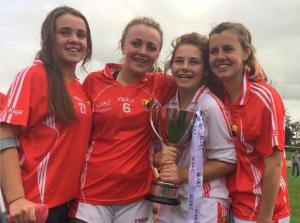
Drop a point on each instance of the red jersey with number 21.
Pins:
(51, 155)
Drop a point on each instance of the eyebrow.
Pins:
(192, 58)
(69, 28)
(150, 42)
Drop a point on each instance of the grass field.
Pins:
(294, 196)
(294, 193)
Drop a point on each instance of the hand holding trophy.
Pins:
(174, 128)
(167, 165)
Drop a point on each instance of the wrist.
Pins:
(15, 199)
(156, 160)
(264, 219)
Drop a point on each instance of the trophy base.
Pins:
(162, 200)
(163, 193)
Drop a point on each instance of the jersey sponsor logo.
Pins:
(125, 99)
(15, 111)
(102, 106)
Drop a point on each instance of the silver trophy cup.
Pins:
(172, 127)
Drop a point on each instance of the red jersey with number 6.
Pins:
(118, 168)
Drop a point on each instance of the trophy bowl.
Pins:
(172, 127)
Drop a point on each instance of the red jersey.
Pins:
(51, 155)
(258, 129)
(118, 168)
(2, 98)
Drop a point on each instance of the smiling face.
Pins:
(188, 67)
(141, 49)
(226, 55)
(70, 40)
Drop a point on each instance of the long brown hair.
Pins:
(60, 102)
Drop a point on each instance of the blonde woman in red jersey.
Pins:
(46, 122)
(259, 187)
(118, 171)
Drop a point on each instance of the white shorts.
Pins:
(282, 220)
(137, 212)
(212, 211)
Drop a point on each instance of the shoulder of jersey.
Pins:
(35, 71)
(264, 87)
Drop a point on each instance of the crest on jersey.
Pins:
(146, 102)
(234, 129)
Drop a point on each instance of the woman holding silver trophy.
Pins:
(118, 171)
(189, 63)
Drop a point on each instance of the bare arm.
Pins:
(214, 169)
(10, 170)
(270, 186)
(20, 209)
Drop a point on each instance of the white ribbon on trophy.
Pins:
(196, 170)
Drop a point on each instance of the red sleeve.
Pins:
(2, 99)
(27, 97)
(163, 88)
(85, 85)
(272, 127)
(88, 85)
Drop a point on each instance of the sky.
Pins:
(274, 24)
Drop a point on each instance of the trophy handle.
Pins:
(152, 123)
